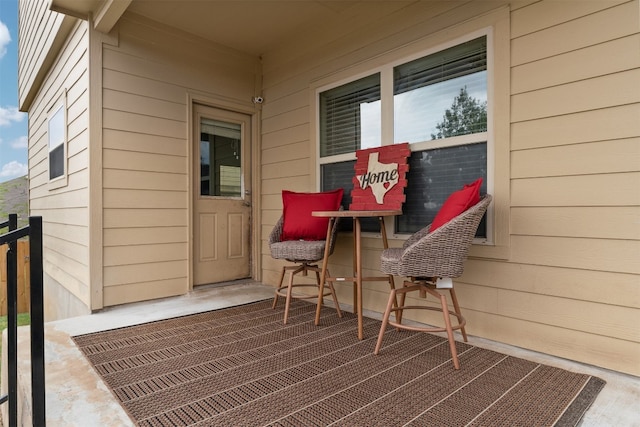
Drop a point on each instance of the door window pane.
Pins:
(220, 158)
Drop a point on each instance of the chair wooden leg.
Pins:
(275, 298)
(392, 286)
(385, 319)
(288, 299)
(456, 307)
(334, 296)
(447, 322)
(321, 295)
(403, 296)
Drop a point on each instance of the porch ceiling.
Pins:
(250, 26)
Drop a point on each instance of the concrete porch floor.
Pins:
(76, 396)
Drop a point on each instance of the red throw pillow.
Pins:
(297, 207)
(457, 203)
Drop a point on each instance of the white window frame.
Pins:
(495, 26)
(58, 112)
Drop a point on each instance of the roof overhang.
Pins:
(105, 13)
(254, 27)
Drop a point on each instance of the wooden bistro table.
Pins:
(357, 278)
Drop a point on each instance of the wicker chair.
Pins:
(424, 258)
(305, 255)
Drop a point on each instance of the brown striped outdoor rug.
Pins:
(241, 366)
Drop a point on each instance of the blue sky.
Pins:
(13, 124)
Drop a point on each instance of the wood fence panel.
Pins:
(23, 278)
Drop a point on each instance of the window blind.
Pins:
(458, 61)
(340, 115)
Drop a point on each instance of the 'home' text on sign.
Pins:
(380, 180)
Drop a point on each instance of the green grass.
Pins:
(23, 319)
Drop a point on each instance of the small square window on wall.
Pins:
(57, 140)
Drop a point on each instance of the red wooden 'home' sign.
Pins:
(380, 178)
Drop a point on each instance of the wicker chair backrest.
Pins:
(443, 252)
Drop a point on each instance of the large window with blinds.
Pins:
(440, 106)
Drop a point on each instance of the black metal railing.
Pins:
(34, 232)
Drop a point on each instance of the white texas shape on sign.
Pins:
(381, 177)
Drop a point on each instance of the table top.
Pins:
(355, 214)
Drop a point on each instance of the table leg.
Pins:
(354, 259)
(358, 286)
(323, 275)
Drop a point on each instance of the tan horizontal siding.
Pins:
(615, 189)
(282, 154)
(597, 125)
(117, 237)
(579, 96)
(43, 206)
(144, 180)
(74, 283)
(37, 34)
(143, 199)
(70, 216)
(139, 104)
(576, 33)
(580, 346)
(622, 155)
(134, 254)
(283, 105)
(600, 222)
(125, 218)
(151, 272)
(582, 64)
(286, 136)
(537, 17)
(143, 122)
(144, 143)
(275, 186)
(70, 251)
(137, 161)
(612, 321)
(62, 265)
(291, 119)
(75, 233)
(581, 284)
(78, 160)
(65, 71)
(272, 201)
(145, 166)
(141, 291)
(293, 168)
(116, 80)
(589, 254)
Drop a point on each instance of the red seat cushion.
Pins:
(457, 203)
(297, 207)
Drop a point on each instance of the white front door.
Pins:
(222, 195)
